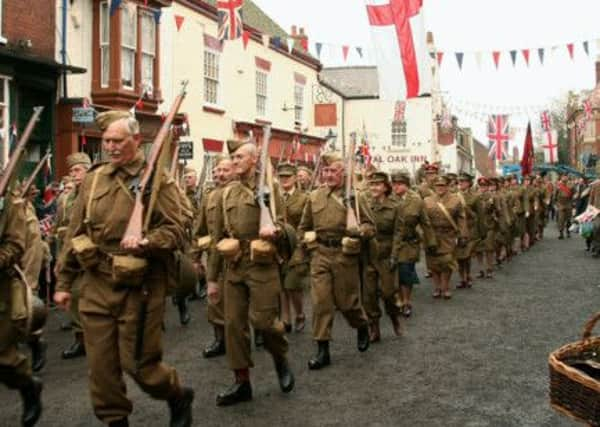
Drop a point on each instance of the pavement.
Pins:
(478, 360)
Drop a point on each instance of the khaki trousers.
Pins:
(252, 297)
(109, 318)
(334, 284)
(216, 311)
(564, 218)
(380, 281)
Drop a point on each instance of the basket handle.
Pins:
(587, 330)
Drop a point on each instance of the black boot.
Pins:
(561, 235)
(322, 358)
(362, 338)
(38, 354)
(181, 408)
(77, 349)
(32, 404)
(123, 422)
(217, 347)
(240, 391)
(259, 340)
(285, 376)
(184, 310)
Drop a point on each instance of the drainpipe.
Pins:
(63, 50)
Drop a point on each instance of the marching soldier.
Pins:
(564, 205)
(223, 175)
(15, 371)
(296, 272)
(334, 253)
(473, 213)
(304, 176)
(425, 189)
(520, 206)
(190, 182)
(123, 284)
(78, 164)
(407, 240)
(252, 284)
(381, 271)
(447, 215)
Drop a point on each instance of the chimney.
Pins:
(299, 37)
(294, 31)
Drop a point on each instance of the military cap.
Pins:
(331, 157)
(465, 177)
(106, 118)
(492, 180)
(305, 169)
(286, 169)
(483, 181)
(431, 168)
(233, 145)
(78, 159)
(188, 170)
(379, 177)
(441, 180)
(219, 158)
(401, 177)
(451, 176)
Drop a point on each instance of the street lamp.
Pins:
(331, 139)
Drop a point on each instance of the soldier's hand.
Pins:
(134, 244)
(526, 214)
(62, 299)
(212, 292)
(268, 232)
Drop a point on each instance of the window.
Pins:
(4, 126)
(211, 77)
(148, 28)
(261, 93)
(2, 39)
(399, 134)
(128, 44)
(104, 44)
(298, 102)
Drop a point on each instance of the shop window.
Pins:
(104, 44)
(128, 45)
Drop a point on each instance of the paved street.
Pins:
(477, 360)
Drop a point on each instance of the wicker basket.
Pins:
(572, 392)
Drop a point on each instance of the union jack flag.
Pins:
(46, 225)
(499, 135)
(230, 19)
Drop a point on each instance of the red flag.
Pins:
(345, 50)
(496, 55)
(571, 47)
(440, 56)
(246, 38)
(179, 21)
(304, 44)
(528, 156)
(526, 55)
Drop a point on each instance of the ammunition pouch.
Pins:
(351, 246)
(86, 251)
(28, 311)
(128, 270)
(203, 243)
(262, 251)
(310, 240)
(182, 276)
(229, 249)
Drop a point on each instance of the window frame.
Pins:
(265, 95)
(143, 52)
(5, 129)
(400, 134)
(205, 77)
(2, 38)
(132, 49)
(105, 45)
(299, 107)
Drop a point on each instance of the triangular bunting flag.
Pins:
(570, 48)
(289, 45)
(432, 54)
(459, 59)
(526, 56)
(478, 56)
(359, 51)
(541, 55)
(179, 21)
(318, 47)
(513, 57)
(304, 44)
(440, 56)
(245, 38)
(345, 50)
(265, 40)
(157, 15)
(586, 47)
(496, 55)
(277, 42)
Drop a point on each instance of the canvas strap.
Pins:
(447, 215)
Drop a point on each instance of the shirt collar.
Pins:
(132, 168)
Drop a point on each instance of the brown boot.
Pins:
(396, 324)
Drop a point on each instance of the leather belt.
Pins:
(330, 243)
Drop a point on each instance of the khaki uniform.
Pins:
(407, 238)
(490, 221)
(425, 190)
(109, 308)
(446, 232)
(334, 276)
(520, 206)
(473, 213)
(504, 236)
(296, 272)
(34, 254)
(15, 371)
(564, 205)
(251, 289)
(379, 276)
(531, 223)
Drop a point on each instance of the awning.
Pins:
(40, 61)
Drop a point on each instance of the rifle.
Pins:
(35, 172)
(315, 173)
(263, 193)
(11, 167)
(174, 169)
(201, 179)
(349, 196)
(281, 150)
(134, 227)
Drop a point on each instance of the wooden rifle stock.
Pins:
(11, 167)
(134, 227)
(35, 173)
(351, 220)
(266, 219)
(202, 179)
(316, 173)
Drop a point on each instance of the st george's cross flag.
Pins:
(230, 19)
(400, 46)
(498, 135)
